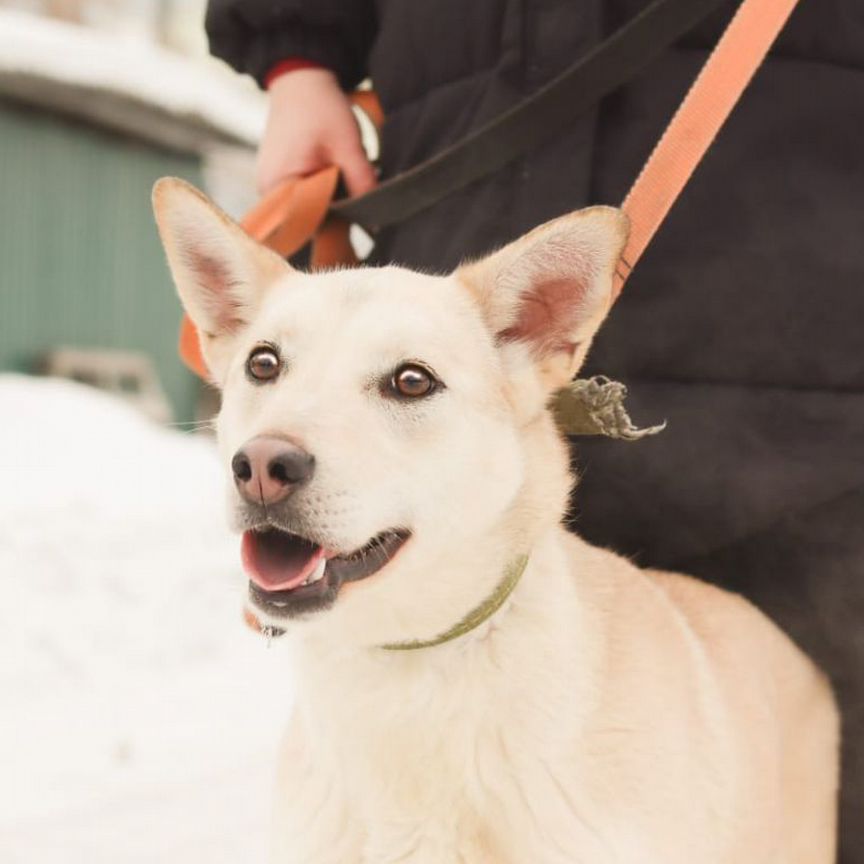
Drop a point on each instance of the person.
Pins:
(742, 323)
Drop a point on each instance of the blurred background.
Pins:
(139, 719)
(98, 98)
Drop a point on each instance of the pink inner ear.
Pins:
(549, 315)
(218, 285)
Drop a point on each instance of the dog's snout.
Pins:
(268, 469)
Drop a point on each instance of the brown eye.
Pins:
(412, 381)
(263, 364)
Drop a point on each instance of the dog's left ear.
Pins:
(551, 289)
(221, 273)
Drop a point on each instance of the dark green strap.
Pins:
(476, 616)
(531, 122)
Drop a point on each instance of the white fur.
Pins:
(605, 713)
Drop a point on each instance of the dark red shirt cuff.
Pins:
(291, 64)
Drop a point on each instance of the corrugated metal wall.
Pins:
(80, 262)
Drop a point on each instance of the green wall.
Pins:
(80, 261)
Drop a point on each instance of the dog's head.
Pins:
(386, 431)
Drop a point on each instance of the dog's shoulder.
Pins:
(701, 618)
(736, 634)
(714, 612)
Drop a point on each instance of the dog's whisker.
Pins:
(194, 425)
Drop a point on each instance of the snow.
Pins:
(69, 58)
(139, 718)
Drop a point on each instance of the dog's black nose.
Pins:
(268, 469)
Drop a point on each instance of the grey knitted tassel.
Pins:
(595, 406)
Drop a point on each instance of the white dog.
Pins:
(476, 684)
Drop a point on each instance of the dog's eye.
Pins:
(412, 381)
(263, 363)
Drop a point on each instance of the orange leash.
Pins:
(714, 93)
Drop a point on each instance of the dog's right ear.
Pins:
(220, 272)
(550, 290)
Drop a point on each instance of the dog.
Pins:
(475, 684)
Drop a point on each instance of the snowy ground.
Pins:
(139, 719)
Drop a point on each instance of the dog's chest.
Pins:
(472, 764)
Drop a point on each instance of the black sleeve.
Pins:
(254, 35)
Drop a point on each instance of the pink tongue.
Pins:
(276, 561)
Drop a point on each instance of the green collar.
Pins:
(476, 616)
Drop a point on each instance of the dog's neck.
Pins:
(478, 616)
(537, 638)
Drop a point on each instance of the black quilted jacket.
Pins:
(744, 323)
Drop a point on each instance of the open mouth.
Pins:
(290, 575)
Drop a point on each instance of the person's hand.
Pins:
(310, 125)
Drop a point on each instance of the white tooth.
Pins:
(318, 572)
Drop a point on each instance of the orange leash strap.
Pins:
(717, 88)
